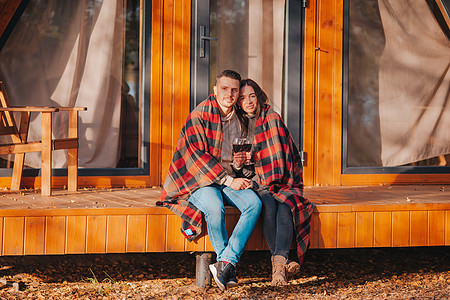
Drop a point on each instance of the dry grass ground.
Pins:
(394, 273)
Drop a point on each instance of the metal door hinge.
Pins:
(303, 158)
(305, 3)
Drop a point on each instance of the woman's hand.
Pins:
(248, 158)
(239, 158)
(241, 184)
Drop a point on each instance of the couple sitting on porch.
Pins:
(205, 175)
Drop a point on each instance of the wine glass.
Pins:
(238, 144)
(247, 146)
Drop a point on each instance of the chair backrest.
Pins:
(8, 126)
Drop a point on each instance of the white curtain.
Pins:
(414, 84)
(70, 54)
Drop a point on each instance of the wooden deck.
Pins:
(126, 220)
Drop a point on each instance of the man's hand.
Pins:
(241, 184)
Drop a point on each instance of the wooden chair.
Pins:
(19, 141)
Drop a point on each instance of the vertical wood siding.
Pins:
(170, 81)
(159, 231)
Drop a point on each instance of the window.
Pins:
(82, 53)
(397, 101)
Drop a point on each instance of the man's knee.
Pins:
(215, 212)
(254, 203)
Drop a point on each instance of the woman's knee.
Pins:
(269, 205)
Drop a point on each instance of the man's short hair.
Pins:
(228, 73)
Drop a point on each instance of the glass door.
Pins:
(260, 39)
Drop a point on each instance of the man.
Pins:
(199, 179)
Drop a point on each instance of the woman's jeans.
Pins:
(278, 225)
(210, 200)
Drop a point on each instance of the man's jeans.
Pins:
(210, 200)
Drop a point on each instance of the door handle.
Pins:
(204, 37)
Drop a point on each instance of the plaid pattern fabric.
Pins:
(195, 164)
(278, 167)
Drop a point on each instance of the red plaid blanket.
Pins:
(195, 164)
(278, 166)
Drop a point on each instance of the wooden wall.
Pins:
(170, 94)
(170, 81)
(156, 229)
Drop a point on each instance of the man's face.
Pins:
(227, 92)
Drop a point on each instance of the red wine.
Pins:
(237, 148)
(246, 147)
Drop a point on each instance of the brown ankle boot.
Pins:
(279, 271)
(292, 268)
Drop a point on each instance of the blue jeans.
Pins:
(210, 200)
(278, 226)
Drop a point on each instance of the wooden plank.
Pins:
(96, 234)
(156, 144)
(72, 158)
(419, 228)
(30, 109)
(34, 236)
(55, 234)
(13, 232)
(309, 80)
(76, 235)
(46, 168)
(60, 144)
(230, 222)
(19, 158)
(168, 84)
(328, 93)
(386, 179)
(364, 229)
(175, 239)
(136, 233)
(196, 246)
(156, 233)
(184, 104)
(436, 226)
(346, 230)
(116, 238)
(327, 230)
(447, 228)
(400, 228)
(382, 229)
(178, 34)
(314, 233)
(255, 242)
(20, 148)
(2, 234)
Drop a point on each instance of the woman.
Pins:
(277, 177)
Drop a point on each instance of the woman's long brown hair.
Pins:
(262, 98)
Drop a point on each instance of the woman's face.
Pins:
(247, 99)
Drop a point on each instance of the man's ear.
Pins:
(215, 90)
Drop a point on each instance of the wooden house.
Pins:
(362, 85)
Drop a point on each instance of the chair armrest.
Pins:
(72, 108)
(29, 109)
